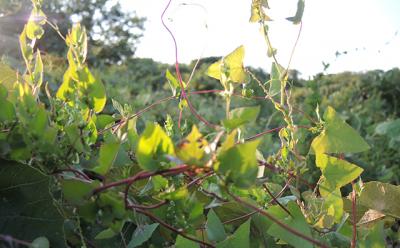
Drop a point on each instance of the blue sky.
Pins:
(366, 29)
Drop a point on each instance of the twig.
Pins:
(168, 226)
(276, 200)
(143, 175)
(239, 218)
(178, 73)
(277, 221)
(138, 113)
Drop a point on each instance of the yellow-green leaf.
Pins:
(108, 154)
(336, 172)
(214, 70)
(153, 146)
(231, 66)
(234, 65)
(257, 12)
(337, 136)
(191, 150)
(7, 76)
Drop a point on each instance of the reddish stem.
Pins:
(137, 113)
(277, 221)
(76, 172)
(153, 206)
(143, 175)
(276, 200)
(239, 218)
(178, 73)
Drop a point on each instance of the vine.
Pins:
(93, 180)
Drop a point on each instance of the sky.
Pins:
(368, 30)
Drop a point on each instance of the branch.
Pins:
(168, 226)
(277, 221)
(276, 201)
(143, 175)
(137, 113)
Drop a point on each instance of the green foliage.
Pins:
(214, 228)
(241, 116)
(241, 237)
(27, 209)
(78, 171)
(142, 234)
(337, 136)
(152, 147)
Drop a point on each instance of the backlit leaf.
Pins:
(275, 80)
(234, 65)
(337, 136)
(336, 172)
(191, 149)
(153, 146)
(231, 66)
(7, 76)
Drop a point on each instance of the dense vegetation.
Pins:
(210, 154)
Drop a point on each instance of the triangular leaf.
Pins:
(240, 239)
(336, 172)
(142, 234)
(234, 65)
(296, 221)
(337, 136)
(182, 242)
(214, 228)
